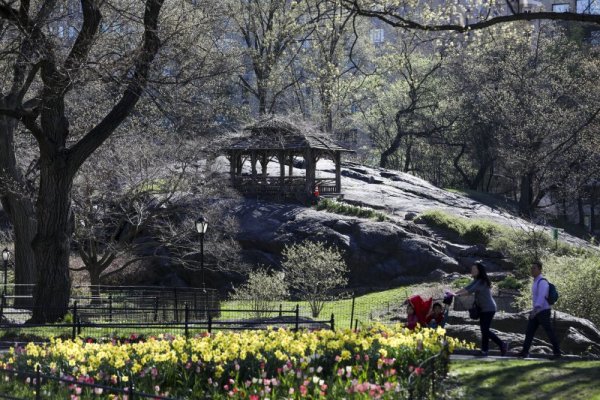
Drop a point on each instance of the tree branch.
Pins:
(95, 137)
(399, 21)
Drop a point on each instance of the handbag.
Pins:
(474, 311)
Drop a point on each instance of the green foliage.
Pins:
(523, 246)
(510, 282)
(461, 282)
(313, 270)
(577, 279)
(470, 231)
(348, 209)
(261, 289)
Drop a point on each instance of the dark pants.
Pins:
(485, 321)
(541, 318)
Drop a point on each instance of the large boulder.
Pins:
(376, 252)
(577, 335)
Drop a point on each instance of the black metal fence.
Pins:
(37, 380)
(91, 321)
(118, 311)
(425, 380)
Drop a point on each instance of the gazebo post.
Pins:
(309, 161)
(263, 164)
(253, 163)
(282, 171)
(338, 172)
(291, 171)
(232, 165)
(238, 162)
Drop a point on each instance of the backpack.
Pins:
(552, 292)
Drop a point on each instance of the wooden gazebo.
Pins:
(275, 139)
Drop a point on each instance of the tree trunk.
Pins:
(24, 224)
(526, 197)
(408, 158)
(593, 210)
(52, 242)
(580, 212)
(477, 182)
(262, 96)
(20, 211)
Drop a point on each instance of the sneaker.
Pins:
(504, 349)
(482, 353)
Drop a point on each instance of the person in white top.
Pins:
(540, 313)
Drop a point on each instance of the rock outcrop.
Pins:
(379, 253)
(576, 335)
(376, 252)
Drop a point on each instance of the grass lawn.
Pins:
(367, 308)
(517, 379)
(377, 306)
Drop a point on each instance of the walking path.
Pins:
(495, 356)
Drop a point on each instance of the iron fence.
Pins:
(122, 310)
(424, 380)
(37, 380)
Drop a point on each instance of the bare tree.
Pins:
(272, 33)
(44, 73)
(138, 204)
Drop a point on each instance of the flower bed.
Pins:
(372, 363)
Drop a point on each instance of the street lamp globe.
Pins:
(201, 225)
(6, 254)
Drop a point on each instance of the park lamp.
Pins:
(6, 254)
(201, 225)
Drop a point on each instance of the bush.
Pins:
(470, 231)
(510, 282)
(577, 279)
(461, 282)
(261, 289)
(347, 209)
(523, 246)
(313, 270)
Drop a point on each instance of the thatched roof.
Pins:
(274, 133)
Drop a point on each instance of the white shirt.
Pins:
(539, 292)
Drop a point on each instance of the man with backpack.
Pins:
(544, 295)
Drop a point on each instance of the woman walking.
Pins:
(481, 288)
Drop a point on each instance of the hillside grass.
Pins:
(338, 207)
(524, 380)
(471, 231)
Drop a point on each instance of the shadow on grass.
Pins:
(526, 380)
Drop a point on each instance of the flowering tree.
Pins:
(313, 270)
(261, 289)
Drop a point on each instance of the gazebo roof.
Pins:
(277, 134)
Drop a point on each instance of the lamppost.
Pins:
(201, 227)
(5, 258)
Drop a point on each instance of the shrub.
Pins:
(461, 282)
(523, 246)
(459, 228)
(510, 282)
(481, 232)
(313, 270)
(261, 289)
(348, 209)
